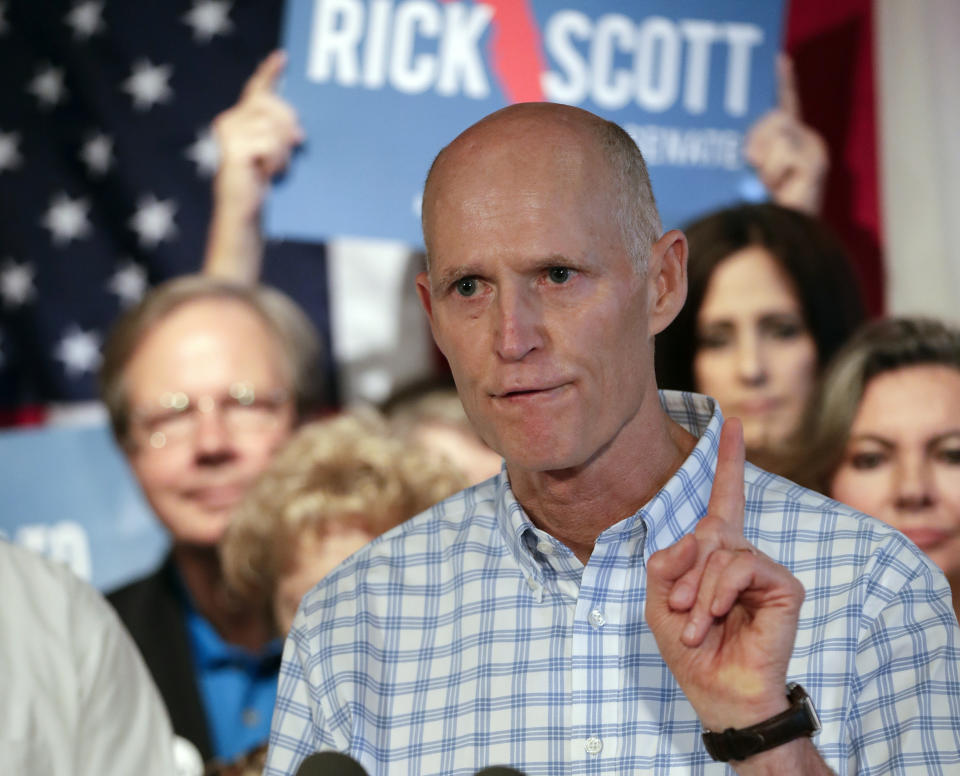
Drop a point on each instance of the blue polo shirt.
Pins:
(238, 687)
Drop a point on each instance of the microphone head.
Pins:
(330, 764)
(499, 770)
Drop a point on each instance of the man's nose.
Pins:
(751, 361)
(519, 324)
(212, 438)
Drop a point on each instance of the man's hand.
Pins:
(790, 157)
(723, 614)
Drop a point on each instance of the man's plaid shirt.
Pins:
(467, 637)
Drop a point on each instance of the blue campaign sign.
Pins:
(382, 85)
(68, 494)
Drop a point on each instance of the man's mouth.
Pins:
(218, 497)
(526, 392)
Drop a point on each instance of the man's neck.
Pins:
(202, 574)
(577, 505)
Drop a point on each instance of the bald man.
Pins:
(611, 603)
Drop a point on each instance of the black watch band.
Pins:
(796, 722)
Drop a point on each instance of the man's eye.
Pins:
(949, 455)
(466, 286)
(558, 274)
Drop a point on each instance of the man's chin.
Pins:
(533, 460)
(203, 530)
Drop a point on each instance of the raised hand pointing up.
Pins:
(724, 615)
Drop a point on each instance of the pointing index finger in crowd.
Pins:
(787, 95)
(726, 497)
(265, 77)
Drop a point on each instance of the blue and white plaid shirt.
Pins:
(467, 637)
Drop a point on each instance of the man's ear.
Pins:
(666, 279)
(423, 291)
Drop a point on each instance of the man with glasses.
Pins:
(203, 381)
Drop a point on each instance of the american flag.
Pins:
(106, 163)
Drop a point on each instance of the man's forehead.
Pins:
(206, 328)
(525, 136)
(483, 173)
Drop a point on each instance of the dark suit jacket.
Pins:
(152, 610)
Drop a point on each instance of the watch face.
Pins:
(797, 695)
(812, 714)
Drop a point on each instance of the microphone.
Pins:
(339, 764)
(330, 764)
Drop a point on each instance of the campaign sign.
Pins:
(381, 85)
(69, 494)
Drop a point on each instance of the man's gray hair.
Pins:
(636, 212)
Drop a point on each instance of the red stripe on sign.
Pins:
(516, 51)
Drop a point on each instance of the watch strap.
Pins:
(796, 722)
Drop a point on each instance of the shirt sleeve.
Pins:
(298, 728)
(122, 726)
(905, 716)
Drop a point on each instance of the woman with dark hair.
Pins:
(883, 433)
(771, 297)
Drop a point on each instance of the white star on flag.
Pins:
(129, 283)
(204, 152)
(97, 153)
(16, 283)
(10, 158)
(66, 218)
(79, 351)
(85, 19)
(153, 220)
(208, 18)
(147, 84)
(47, 86)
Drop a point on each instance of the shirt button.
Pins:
(597, 620)
(545, 548)
(593, 745)
(250, 717)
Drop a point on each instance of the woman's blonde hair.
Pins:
(345, 471)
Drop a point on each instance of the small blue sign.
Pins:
(69, 494)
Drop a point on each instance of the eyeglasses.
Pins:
(242, 411)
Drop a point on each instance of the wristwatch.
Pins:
(799, 720)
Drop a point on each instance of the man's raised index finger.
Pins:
(726, 497)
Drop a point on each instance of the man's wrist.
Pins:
(746, 711)
(796, 758)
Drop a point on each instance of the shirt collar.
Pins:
(672, 512)
(211, 651)
(677, 507)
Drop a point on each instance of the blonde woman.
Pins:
(338, 483)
